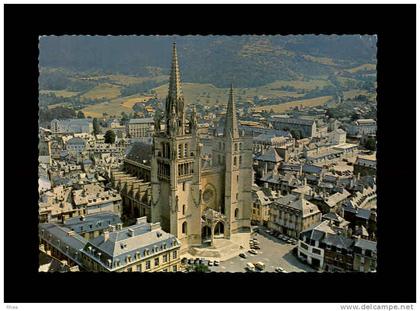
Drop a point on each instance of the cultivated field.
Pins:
(129, 103)
(210, 95)
(280, 108)
(364, 67)
(104, 90)
(61, 93)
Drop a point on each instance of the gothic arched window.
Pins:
(236, 213)
(234, 161)
(184, 227)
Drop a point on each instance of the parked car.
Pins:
(253, 251)
(216, 262)
(289, 241)
(184, 260)
(190, 261)
(259, 265)
(284, 238)
(250, 267)
(256, 247)
(210, 263)
(256, 243)
(267, 231)
(294, 242)
(279, 269)
(243, 255)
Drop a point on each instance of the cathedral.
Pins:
(197, 198)
(198, 188)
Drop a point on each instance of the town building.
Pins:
(305, 127)
(365, 256)
(365, 165)
(68, 126)
(338, 253)
(362, 127)
(91, 226)
(309, 247)
(143, 247)
(93, 198)
(61, 243)
(260, 207)
(292, 214)
(139, 128)
(76, 145)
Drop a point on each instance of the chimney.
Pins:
(130, 232)
(141, 220)
(119, 226)
(111, 228)
(155, 226)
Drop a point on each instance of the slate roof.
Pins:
(50, 264)
(311, 169)
(139, 152)
(142, 237)
(338, 241)
(366, 244)
(318, 231)
(270, 155)
(298, 202)
(264, 199)
(292, 120)
(336, 198)
(62, 233)
(99, 221)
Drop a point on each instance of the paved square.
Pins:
(274, 253)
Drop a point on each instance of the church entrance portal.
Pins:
(219, 230)
(206, 235)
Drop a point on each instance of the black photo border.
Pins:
(395, 27)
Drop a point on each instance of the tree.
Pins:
(199, 268)
(109, 137)
(124, 117)
(355, 116)
(296, 134)
(80, 115)
(96, 127)
(370, 144)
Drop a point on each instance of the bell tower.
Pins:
(232, 166)
(175, 167)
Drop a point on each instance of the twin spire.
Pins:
(231, 122)
(175, 90)
(175, 102)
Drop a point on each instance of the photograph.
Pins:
(211, 153)
(207, 153)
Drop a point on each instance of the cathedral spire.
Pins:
(175, 99)
(231, 122)
(175, 90)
